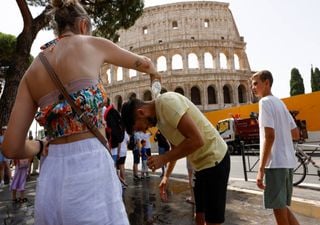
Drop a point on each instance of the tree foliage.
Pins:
(7, 46)
(296, 83)
(315, 80)
(108, 17)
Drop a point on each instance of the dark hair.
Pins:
(264, 75)
(128, 113)
(143, 141)
(66, 13)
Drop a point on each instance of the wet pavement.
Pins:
(144, 206)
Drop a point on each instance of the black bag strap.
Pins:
(82, 115)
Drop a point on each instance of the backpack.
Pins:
(132, 143)
(114, 129)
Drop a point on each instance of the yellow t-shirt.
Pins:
(170, 107)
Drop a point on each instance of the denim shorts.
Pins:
(78, 184)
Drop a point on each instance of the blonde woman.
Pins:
(78, 183)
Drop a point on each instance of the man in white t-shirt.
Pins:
(277, 156)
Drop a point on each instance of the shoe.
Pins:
(136, 177)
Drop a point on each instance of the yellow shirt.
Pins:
(170, 107)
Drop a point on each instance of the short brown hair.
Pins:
(264, 75)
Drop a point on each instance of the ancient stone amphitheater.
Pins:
(197, 49)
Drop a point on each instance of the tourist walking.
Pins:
(277, 156)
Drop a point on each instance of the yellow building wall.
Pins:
(308, 106)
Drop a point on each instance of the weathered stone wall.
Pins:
(202, 39)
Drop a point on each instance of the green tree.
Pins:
(296, 83)
(108, 17)
(315, 80)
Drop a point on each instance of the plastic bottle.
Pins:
(156, 87)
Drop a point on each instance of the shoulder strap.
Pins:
(82, 115)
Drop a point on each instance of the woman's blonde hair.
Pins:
(65, 15)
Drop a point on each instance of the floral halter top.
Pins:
(58, 118)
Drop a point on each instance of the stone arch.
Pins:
(223, 61)
(179, 90)
(163, 90)
(108, 72)
(212, 95)
(161, 64)
(193, 62)
(242, 94)
(195, 95)
(227, 94)
(119, 73)
(177, 63)
(147, 96)
(132, 95)
(132, 73)
(236, 61)
(208, 60)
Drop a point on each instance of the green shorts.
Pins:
(278, 191)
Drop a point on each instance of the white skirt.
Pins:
(78, 185)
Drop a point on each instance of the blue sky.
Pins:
(280, 35)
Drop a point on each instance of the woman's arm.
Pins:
(118, 56)
(15, 145)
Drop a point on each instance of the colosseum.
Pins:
(197, 49)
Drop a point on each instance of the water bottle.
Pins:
(156, 87)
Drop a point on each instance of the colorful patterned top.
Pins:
(57, 116)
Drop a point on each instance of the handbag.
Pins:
(81, 114)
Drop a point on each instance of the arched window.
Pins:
(242, 94)
(223, 61)
(119, 74)
(208, 60)
(212, 99)
(227, 94)
(195, 96)
(174, 25)
(163, 90)
(132, 96)
(236, 62)
(193, 62)
(206, 23)
(109, 76)
(132, 73)
(147, 96)
(161, 64)
(179, 90)
(177, 62)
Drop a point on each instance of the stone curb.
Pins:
(309, 208)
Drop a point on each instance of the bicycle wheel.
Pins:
(300, 172)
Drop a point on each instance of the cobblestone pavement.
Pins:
(144, 206)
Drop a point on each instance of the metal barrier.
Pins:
(247, 151)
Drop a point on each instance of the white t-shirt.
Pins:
(124, 145)
(274, 114)
(146, 137)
